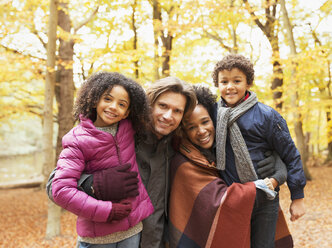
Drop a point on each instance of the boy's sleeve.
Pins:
(283, 143)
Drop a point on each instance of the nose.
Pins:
(201, 130)
(168, 114)
(230, 85)
(112, 105)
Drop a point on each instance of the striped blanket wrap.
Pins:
(204, 212)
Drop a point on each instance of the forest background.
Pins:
(48, 48)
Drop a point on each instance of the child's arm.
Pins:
(297, 209)
(280, 139)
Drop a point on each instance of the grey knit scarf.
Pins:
(226, 121)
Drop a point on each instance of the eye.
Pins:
(206, 122)
(162, 105)
(191, 128)
(223, 82)
(179, 111)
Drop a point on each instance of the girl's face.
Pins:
(199, 127)
(232, 86)
(112, 107)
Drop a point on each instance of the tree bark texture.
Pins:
(65, 82)
(53, 217)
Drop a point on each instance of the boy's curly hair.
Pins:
(232, 61)
(99, 83)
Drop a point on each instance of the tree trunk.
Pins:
(65, 77)
(133, 23)
(167, 49)
(53, 217)
(269, 30)
(157, 32)
(328, 117)
(300, 138)
(329, 133)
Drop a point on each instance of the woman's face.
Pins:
(199, 127)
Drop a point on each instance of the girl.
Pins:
(109, 106)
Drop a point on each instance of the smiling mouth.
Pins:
(205, 139)
(164, 124)
(110, 115)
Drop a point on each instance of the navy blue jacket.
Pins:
(264, 129)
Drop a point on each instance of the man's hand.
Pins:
(116, 183)
(297, 209)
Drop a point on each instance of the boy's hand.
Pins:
(297, 209)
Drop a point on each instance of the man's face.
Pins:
(167, 113)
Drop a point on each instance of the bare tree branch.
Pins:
(15, 51)
(87, 20)
(252, 13)
(217, 38)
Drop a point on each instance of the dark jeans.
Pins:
(263, 221)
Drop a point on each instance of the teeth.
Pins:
(164, 124)
(204, 139)
(110, 114)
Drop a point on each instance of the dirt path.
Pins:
(23, 214)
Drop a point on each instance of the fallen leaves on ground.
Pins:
(314, 229)
(23, 216)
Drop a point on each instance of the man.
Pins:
(169, 98)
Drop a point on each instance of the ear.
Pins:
(249, 86)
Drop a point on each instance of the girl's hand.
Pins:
(297, 209)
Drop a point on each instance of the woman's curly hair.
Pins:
(99, 83)
(232, 61)
(206, 98)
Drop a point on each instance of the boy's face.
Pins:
(232, 86)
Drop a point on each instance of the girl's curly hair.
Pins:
(99, 83)
(232, 61)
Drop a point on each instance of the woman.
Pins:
(203, 210)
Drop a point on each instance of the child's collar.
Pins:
(245, 97)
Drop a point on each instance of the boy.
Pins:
(245, 130)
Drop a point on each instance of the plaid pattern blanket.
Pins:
(204, 212)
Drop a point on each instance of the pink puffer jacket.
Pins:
(87, 149)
